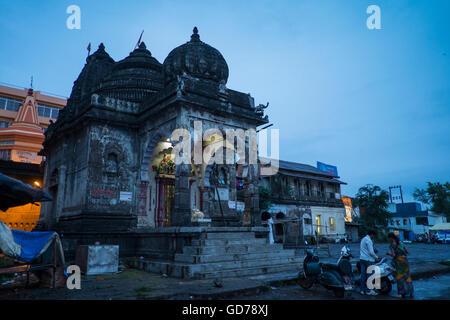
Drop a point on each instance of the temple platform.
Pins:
(194, 252)
(224, 253)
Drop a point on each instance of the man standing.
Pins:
(367, 258)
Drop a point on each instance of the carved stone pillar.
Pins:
(253, 177)
(60, 196)
(246, 218)
(182, 212)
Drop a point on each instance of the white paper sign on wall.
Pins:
(125, 196)
(223, 193)
(238, 205)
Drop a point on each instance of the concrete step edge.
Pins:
(209, 258)
(251, 271)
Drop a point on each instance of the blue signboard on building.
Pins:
(327, 168)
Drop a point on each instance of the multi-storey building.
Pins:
(24, 116)
(312, 197)
(409, 220)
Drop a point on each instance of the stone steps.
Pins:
(231, 249)
(230, 235)
(208, 258)
(225, 254)
(193, 271)
(228, 242)
(254, 271)
(242, 264)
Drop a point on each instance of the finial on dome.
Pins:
(101, 47)
(30, 90)
(142, 45)
(195, 36)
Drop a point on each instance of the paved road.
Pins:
(418, 252)
(432, 288)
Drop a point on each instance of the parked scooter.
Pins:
(329, 275)
(386, 272)
(345, 264)
(387, 279)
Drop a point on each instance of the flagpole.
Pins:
(139, 40)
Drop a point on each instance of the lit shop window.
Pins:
(332, 224)
(318, 225)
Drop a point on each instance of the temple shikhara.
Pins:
(24, 115)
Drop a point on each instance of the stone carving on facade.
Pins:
(180, 85)
(260, 109)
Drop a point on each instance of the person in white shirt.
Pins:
(367, 257)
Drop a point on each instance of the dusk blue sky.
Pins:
(375, 103)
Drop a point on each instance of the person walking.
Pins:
(398, 252)
(367, 257)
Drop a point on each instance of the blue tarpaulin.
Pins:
(32, 243)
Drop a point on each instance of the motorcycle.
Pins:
(386, 272)
(387, 279)
(345, 264)
(329, 275)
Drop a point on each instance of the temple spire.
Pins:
(195, 36)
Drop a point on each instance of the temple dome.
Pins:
(97, 66)
(196, 59)
(134, 78)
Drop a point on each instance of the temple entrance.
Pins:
(165, 201)
(162, 184)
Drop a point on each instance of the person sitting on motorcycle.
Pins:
(367, 258)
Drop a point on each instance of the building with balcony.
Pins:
(307, 197)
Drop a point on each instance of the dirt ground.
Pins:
(134, 284)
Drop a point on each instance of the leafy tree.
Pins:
(437, 195)
(264, 198)
(373, 202)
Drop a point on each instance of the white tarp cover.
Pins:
(27, 246)
(7, 244)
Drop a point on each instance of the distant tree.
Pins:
(437, 195)
(373, 202)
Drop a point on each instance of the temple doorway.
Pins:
(165, 201)
(162, 184)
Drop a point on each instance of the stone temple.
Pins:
(111, 170)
